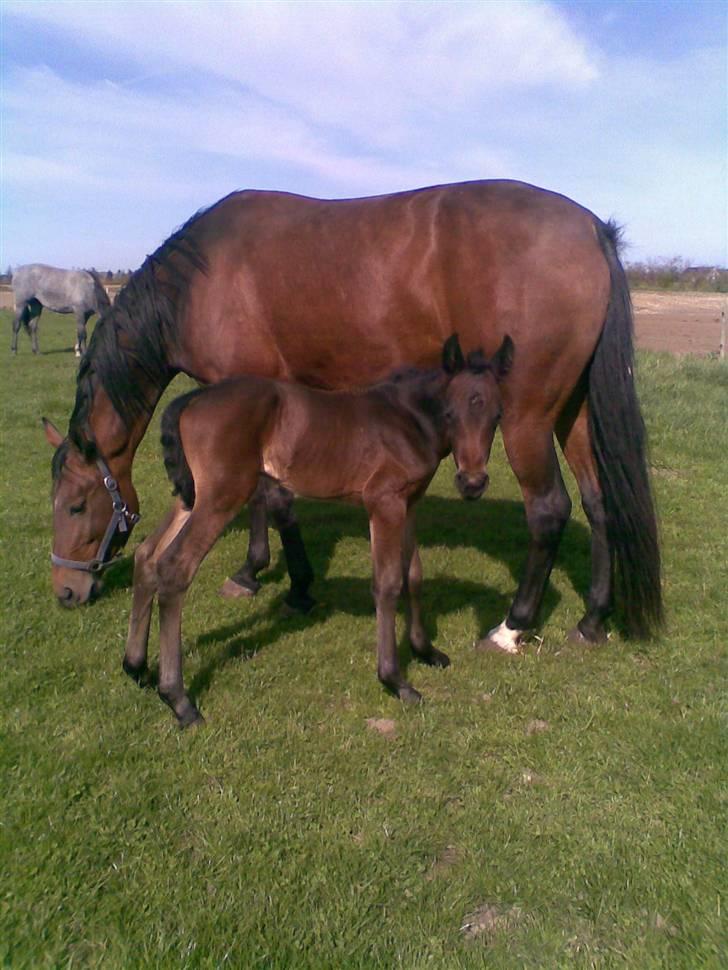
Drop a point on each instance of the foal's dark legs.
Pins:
(387, 518)
(421, 645)
(575, 441)
(176, 568)
(548, 506)
(145, 589)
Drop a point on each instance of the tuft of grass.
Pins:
(563, 808)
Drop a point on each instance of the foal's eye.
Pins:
(476, 402)
(449, 415)
(78, 509)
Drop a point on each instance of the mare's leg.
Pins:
(421, 645)
(244, 582)
(387, 525)
(280, 506)
(575, 441)
(271, 498)
(176, 569)
(531, 452)
(145, 588)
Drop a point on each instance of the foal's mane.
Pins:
(129, 351)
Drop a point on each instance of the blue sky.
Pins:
(119, 120)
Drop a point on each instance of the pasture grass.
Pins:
(563, 808)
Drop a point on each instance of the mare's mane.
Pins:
(130, 349)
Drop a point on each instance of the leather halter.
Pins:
(121, 519)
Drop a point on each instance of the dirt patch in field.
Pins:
(680, 323)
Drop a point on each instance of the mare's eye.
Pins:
(78, 509)
(449, 415)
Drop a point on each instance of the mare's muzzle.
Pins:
(471, 487)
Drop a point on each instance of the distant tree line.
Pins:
(676, 274)
(108, 277)
(666, 274)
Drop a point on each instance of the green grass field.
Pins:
(563, 808)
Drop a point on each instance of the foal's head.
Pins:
(473, 409)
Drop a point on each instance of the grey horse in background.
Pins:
(76, 291)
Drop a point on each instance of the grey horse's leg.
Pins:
(34, 312)
(19, 320)
(82, 317)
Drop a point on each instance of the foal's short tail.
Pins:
(620, 448)
(175, 460)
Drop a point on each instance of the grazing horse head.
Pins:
(87, 503)
(473, 409)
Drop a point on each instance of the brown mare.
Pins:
(378, 448)
(336, 294)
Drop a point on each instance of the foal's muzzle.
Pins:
(471, 486)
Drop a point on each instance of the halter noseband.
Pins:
(121, 519)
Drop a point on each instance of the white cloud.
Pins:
(365, 69)
(179, 103)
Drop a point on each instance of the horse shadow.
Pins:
(496, 528)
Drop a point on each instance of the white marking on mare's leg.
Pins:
(505, 638)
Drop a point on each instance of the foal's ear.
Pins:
(503, 359)
(53, 435)
(452, 356)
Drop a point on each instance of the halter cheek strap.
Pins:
(121, 519)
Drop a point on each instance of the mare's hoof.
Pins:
(297, 605)
(137, 674)
(486, 645)
(190, 719)
(232, 590)
(434, 658)
(409, 695)
(577, 637)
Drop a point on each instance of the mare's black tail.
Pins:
(620, 448)
(175, 461)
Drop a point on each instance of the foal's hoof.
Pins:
(137, 674)
(233, 591)
(576, 636)
(408, 694)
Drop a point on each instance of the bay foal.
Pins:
(379, 448)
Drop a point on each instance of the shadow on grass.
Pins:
(496, 528)
(58, 350)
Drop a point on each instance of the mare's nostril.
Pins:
(66, 597)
